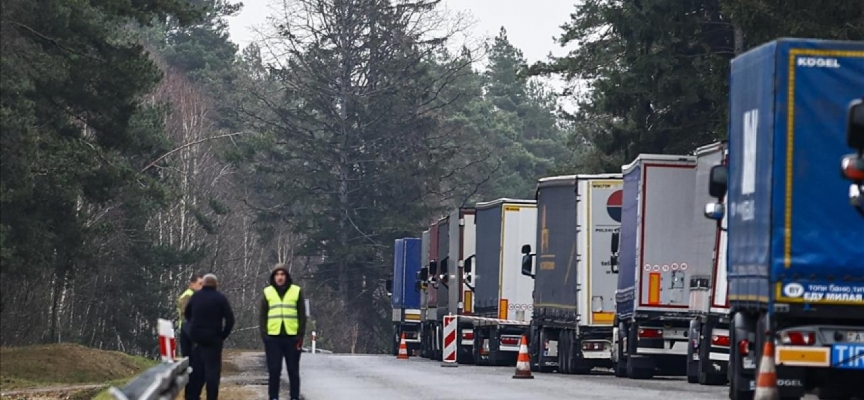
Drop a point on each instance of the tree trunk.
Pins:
(739, 38)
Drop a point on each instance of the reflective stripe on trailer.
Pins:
(482, 321)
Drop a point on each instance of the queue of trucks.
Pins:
(688, 264)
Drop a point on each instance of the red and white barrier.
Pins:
(314, 337)
(449, 356)
(167, 342)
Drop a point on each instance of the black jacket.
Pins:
(301, 308)
(206, 311)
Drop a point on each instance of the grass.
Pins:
(70, 364)
(65, 364)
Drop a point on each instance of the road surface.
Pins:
(374, 377)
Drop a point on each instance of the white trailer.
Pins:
(708, 352)
(660, 257)
(502, 295)
(574, 284)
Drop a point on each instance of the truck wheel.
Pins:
(711, 379)
(636, 372)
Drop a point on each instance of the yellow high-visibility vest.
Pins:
(188, 292)
(282, 311)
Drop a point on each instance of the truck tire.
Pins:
(638, 367)
(564, 352)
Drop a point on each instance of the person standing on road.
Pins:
(283, 326)
(207, 310)
(185, 341)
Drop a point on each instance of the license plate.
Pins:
(847, 356)
(855, 336)
(749, 363)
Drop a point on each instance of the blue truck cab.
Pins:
(795, 250)
(405, 293)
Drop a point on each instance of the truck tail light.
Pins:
(798, 338)
(592, 346)
(650, 333)
(509, 341)
(720, 340)
(744, 347)
(468, 335)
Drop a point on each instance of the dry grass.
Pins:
(227, 392)
(65, 364)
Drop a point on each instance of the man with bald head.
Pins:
(212, 319)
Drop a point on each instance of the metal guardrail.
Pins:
(161, 382)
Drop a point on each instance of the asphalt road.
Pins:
(375, 377)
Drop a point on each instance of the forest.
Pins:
(140, 145)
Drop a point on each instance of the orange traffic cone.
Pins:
(403, 349)
(766, 380)
(523, 362)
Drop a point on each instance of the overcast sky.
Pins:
(530, 24)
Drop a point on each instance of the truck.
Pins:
(574, 285)
(456, 242)
(430, 340)
(422, 281)
(708, 352)
(659, 256)
(405, 294)
(502, 295)
(795, 254)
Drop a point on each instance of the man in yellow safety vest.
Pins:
(185, 341)
(283, 324)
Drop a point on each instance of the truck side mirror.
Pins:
(423, 274)
(442, 269)
(388, 285)
(852, 168)
(715, 211)
(613, 259)
(526, 249)
(469, 264)
(527, 264)
(717, 181)
(855, 125)
(433, 268)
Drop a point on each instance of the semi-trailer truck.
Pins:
(430, 340)
(502, 295)
(456, 241)
(708, 352)
(574, 285)
(659, 257)
(405, 294)
(422, 282)
(795, 251)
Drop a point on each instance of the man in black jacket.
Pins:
(206, 310)
(283, 324)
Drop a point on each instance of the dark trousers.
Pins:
(185, 341)
(206, 368)
(280, 348)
